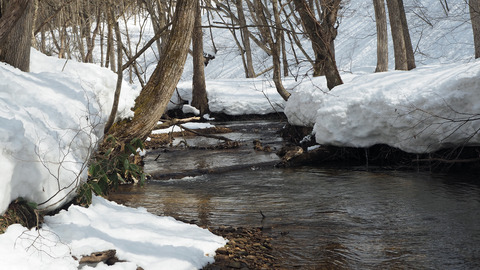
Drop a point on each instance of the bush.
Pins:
(110, 168)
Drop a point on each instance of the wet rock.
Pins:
(235, 265)
(258, 146)
(222, 250)
(289, 152)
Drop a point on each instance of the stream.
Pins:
(320, 217)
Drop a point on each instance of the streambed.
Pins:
(343, 218)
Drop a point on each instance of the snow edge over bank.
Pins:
(417, 111)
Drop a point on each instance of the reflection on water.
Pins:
(331, 218)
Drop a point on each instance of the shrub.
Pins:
(110, 168)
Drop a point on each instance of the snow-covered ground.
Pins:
(51, 119)
(417, 111)
(140, 238)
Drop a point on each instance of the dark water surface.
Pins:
(338, 218)
(332, 218)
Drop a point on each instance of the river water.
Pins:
(340, 218)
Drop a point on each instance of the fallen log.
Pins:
(176, 121)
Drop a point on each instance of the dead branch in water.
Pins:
(206, 135)
(175, 121)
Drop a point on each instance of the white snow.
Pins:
(50, 122)
(418, 111)
(190, 125)
(237, 96)
(190, 109)
(140, 238)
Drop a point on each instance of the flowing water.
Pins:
(331, 217)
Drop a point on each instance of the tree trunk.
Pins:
(322, 36)
(474, 6)
(154, 97)
(91, 40)
(250, 72)
(15, 48)
(118, 88)
(276, 53)
(110, 57)
(402, 45)
(382, 35)
(406, 36)
(274, 44)
(199, 89)
(9, 17)
(284, 55)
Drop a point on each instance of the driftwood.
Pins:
(97, 257)
(179, 122)
(107, 256)
(175, 121)
(206, 135)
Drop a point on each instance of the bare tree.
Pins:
(474, 6)
(382, 35)
(118, 88)
(154, 97)
(247, 49)
(402, 45)
(199, 89)
(322, 36)
(406, 36)
(9, 17)
(273, 41)
(17, 21)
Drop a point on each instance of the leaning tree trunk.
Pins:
(15, 47)
(154, 97)
(382, 35)
(474, 6)
(199, 89)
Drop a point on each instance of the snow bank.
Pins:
(235, 96)
(140, 238)
(416, 111)
(99, 81)
(50, 121)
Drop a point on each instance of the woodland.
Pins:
(145, 46)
